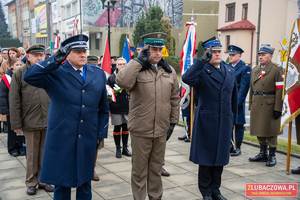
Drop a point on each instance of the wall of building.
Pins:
(205, 14)
(277, 17)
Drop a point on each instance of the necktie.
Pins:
(79, 71)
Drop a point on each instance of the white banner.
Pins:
(33, 25)
(54, 12)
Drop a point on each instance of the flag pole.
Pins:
(192, 111)
(289, 149)
(192, 94)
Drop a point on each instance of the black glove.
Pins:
(99, 140)
(165, 65)
(277, 114)
(143, 58)
(62, 54)
(170, 131)
(207, 56)
(240, 107)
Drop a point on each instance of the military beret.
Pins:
(92, 58)
(36, 48)
(235, 50)
(156, 39)
(77, 42)
(266, 48)
(214, 42)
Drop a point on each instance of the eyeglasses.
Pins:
(122, 64)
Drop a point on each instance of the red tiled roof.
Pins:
(241, 25)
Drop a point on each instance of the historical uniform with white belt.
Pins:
(265, 105)
(77, 120)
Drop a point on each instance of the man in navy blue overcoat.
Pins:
(243, 77)
(77, 119)
(215, 85)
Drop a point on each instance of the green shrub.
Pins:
(9, 42)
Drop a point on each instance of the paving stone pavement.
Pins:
(114, 173)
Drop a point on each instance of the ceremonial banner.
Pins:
(41, 21)
(291, 92)
(187, 55)
(54, 12)
(126, 50)
(106, 63)
(57, 42)
(75, 28)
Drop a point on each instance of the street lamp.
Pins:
(113, 2)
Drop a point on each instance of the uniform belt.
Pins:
(264, 93)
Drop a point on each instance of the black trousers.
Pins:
(14, 142)
(209, 180)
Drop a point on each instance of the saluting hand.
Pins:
(207, 56)
(143, 58)
(62, 54)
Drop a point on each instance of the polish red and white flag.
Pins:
(291, 87)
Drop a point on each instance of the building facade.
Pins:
(238, 25)
(49, 18)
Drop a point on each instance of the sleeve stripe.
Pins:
(279, 85)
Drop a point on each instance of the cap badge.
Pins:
(80, 37)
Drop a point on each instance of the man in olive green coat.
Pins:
(28, 107)
(154, 111)
(265, 105)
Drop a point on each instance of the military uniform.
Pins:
(153, 108)
(78, 116)
(265, 98)
(243, 76)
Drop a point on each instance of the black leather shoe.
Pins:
(31, 190)
(187, 139)
(262, 156)
(126, 152)
(207, 198)
(271, 158)
(218, 197)
(47, 187)
(182, 137)
(296, 171)
(15, 154)
(236, 152)
(164, 172)
(118, 153)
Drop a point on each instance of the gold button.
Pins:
(83, 106)
(79, 136)
(83, 91)
(48, 62)
(81, 121)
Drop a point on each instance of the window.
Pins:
(245, 11)
(230, 12)
(227, 42)
(75, 7)
(68, 13)
(97, 42)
